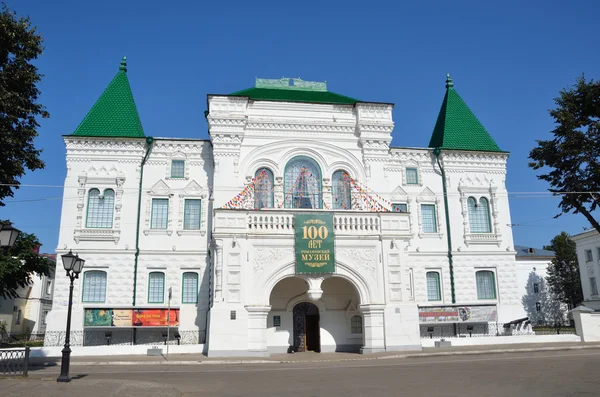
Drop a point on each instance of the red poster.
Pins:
(155, 318)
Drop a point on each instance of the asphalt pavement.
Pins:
(542, 373)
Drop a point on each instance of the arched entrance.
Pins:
(307, 328)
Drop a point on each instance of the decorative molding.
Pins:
(265, 257)
(96, 235)
(363, 257)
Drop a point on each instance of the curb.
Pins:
(391, 357)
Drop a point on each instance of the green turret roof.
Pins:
(457, 127)
(114, 114)
(294, 90)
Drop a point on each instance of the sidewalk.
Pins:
(195, 359)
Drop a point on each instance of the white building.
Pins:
(296, 226)
(27, 314)
(588, 256)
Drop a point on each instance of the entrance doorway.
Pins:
(307, 329)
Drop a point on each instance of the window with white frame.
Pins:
(48, 287)
(160, 213)
(428, 218)
(412, 176)
(536, 288)
(434, 292)
(399, 207)
(538, 306)
(588, 256)
(486, 284)
(340, 184)
(178, 169)
(191, 214)
(264, 193)
(190, 288)
(18, 317)
(100, 209)
(45, 317)
(156, 287)
(593, 286)
(94, 286)
(479, 215)
(356, 325)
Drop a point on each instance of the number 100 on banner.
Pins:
(314, 243)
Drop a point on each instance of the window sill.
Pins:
(194, 232)
(430, 235)
(482, 238)
(158, 232)
(96, 235)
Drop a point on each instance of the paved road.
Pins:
(561, 373)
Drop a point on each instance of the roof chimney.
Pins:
(531, 250)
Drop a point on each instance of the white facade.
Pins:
(245, 258)
(28, 313)
(588, 257)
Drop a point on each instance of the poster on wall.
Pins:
(458, 314)
(130, 318)
(314, 243)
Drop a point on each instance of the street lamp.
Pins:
(73, 265)
(8, 235)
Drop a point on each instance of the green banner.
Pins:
(314, 243)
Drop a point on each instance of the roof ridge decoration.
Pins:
(457, 127)
(115, 113)
(291, 83)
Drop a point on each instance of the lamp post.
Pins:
(73, 265)
(8, 236)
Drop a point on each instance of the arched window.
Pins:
(302, 187)
(100, 209)
(434, 292)
(479, 215)
(94, 286)
(486, 284)
(356, 325)
(341, 190)
(263, 189)
(156, 287)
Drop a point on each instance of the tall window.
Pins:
(45, 317)
(190, 288)
(263, 189)
(479, 215)
(341, 190)
(302, 187)
(594, 286)
(356, 325)
(156, 287)
(588, 256)
(412, 176)
(177, 169)
(399, 207)
(486, 284)
(434, 292)
(100, 209)
(538, 306)
(536, 288)
(428, 221)
(191, 214)
(94, 286)
(160, 213)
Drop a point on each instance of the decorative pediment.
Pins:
(475, 180)
(427, 192)
(192, 189)
(160, 188)
(398, 193)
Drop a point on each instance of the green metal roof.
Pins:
(114, 114)
(457, 127)
(293, 90)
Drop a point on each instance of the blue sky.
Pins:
(508, 60)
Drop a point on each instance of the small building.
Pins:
(588, 256)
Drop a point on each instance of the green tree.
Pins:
(20, 264)
(563, 273)
(572, 158)
(20, 44)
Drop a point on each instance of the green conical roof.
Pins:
(114, 114)
(457, 128)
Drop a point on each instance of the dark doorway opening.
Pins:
(307, 329)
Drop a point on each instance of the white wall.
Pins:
(589, 270)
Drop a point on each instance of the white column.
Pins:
(218, 271)
(257, 329)
(373, 329)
